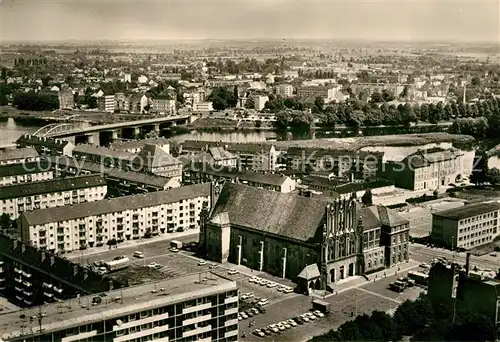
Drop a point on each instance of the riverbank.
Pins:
(227, 125)
(356, 143)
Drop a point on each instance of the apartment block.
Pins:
(122, 102)
(427, 169)
(30, 276)
(135, 146)
(119, 182)
(285, 90)
(163, 105)
(23, 173)
(66, 99)
(203, 106)
(106, 103)
(16, 198)
(92, 224)
(199, 307)
(18, 156)
(46, 146)
(466, 227)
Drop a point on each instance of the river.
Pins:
(10, 131)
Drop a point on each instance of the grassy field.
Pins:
(356, 143)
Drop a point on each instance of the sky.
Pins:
(372, 20)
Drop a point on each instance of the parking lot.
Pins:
(343, 306)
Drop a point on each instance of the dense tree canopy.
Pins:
(35, 101)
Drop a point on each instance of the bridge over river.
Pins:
(83, 132)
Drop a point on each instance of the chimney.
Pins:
(52, 260)
(75, 270)
(42, 255)
(467, 264)
(23, 247)
(111, 286)
(85, 274)
(14, 244)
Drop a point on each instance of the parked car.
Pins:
(319, 313)
(253, 279)
(267, 331)
(138, 254)
(202, 263)
(263, 301)
(155, 265)
(261, 309)
(310, 316)
(292, 322)
(233, 271)
(258, 332)
(174, 249)
(271, 284)
(299, 320)
(288, 290)
(273, 328)
(244, 315)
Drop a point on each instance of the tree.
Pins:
(46, 80)
(223, 98)
(4, 74)
(376, 97)
(319, 103)
(387, 95)
(356, 118)
(250, 103)
(493, 176)
(367, 198)
(5, 221)
(424, 112)
(404, 93)
(479, 169)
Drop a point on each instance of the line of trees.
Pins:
(481, 120)
(419, 319)
(35, 101)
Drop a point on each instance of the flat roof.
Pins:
(116, 303)
(468, 210)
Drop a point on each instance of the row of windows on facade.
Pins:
(477, 233)
(176, 317)
(479, 217)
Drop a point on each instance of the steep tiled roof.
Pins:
(232, 173)
(424, 158)
(33, 140)
(219, 153)
(390, 218)
(376, 216)
(272, 212)
(18, 153)
(133, 144)
(116, 204)
(309, 272)
(154, 156)
(132, 176)
(52, 185)
(103, 152)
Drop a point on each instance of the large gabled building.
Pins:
(295, 237)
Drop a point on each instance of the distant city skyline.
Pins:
(377, 20)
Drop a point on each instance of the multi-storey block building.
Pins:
(462, 290)
(29, 276)
(121, 102)
(66, 98)
(260, 102)
(23, 173)
(215, 155)
(163, 105)
(155, 160)
(341, 163)
(466, 227)
(105, 156)
(427, 169)
(106, 103)
(203, 106)
(270, 231)
(285, 90)
(199, 307)
(311, 92)
(119, 182)
(251, 156)
(18, 156)
(135, 146)
(196, 173)
(123, 218)
(15, 199)
(44, 145)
